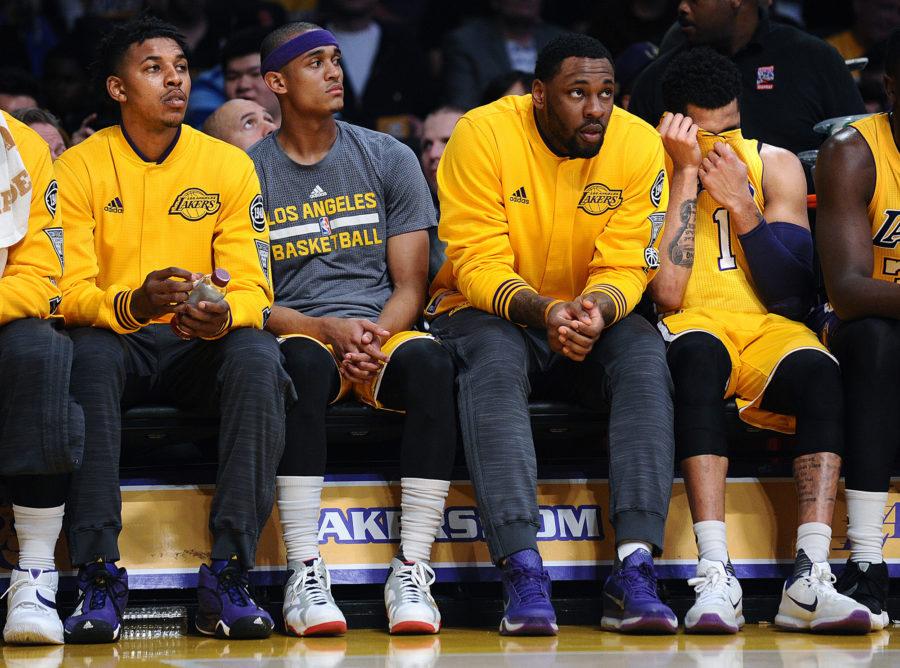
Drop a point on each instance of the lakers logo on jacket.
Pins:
(194, 204)
(597, 198)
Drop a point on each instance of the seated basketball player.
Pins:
(858, 228)
(40, 437)
(736, 267)
(150, 204)
(350, 213)
(552, 206)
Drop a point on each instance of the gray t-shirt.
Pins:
(329, 223)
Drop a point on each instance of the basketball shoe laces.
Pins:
(233, 582)
(312, 585)
(641, 580)
(711, 584)
(821, 581)
(528, 585)
(24, 584)
(414, 579)
(104, 584)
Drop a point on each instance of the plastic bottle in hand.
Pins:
(210, 288)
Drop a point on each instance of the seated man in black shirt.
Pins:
(791, 80)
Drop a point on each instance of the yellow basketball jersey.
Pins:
(884, 207)
(721, 278)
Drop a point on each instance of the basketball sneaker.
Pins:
(809, 601)
(719, 607)
(102, 597)
(527, 610)
(225, 608)
(309, 608)
(31, 616)
(408, 600)
(631, 602)
(867, 584)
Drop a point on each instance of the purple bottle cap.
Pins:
(220, 277)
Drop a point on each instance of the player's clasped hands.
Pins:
(357, 344)
(574, 327)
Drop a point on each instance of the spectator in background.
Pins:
(47, 126)
(513, 82)
(436, 133)
(240, 123)
(874, 21)
(621, 23)
(240, 65)
(18, 89)
(791, 80)
(66, 86)
(629, 65)
(385, 70)
(483, 49)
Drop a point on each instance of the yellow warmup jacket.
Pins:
(28, 288)
(515, 216)
(198, 208)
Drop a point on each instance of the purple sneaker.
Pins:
(526, 597)
(630, 601)
(226, 609)
(102, 597)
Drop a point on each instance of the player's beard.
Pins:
(571, 145)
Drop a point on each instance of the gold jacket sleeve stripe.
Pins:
(120, 305)
(504, 292)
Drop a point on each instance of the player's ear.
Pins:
(115, 87)
(275, 82)
(537, 93)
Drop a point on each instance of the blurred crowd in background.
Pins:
(402, 58)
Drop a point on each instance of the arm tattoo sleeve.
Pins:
(681, 250)
(527, 308)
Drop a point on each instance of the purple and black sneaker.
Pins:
(631, 603)
(102, 597)
(226, 609)
(526, 597)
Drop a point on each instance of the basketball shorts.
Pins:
(756, 345)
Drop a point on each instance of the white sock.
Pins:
(814, 538)
(422, 513)
(712, 543)
(38, 530)
(626, 549)
(865, 511)
(299, 506)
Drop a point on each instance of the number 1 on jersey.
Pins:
(726, 255)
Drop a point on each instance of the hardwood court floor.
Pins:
(757, 645)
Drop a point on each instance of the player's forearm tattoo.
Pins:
(816, 477)
(527, 308)
(681, 250)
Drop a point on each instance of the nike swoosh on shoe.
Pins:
(808, 607)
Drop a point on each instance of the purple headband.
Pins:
(297, 46)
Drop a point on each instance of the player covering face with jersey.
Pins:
(735, 275)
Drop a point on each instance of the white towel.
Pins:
(15, 193)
